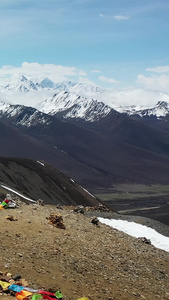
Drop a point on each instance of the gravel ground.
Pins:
(81, 260)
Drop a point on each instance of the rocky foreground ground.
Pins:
(81, 260)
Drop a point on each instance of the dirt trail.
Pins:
(82, 260)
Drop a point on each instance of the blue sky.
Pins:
(113, 43)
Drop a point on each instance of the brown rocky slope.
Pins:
(82, 260)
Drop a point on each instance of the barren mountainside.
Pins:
(83, 259)
(39, 180)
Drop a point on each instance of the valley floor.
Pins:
(149, 201)
(82, 260)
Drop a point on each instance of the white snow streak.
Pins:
(87, 192)
(26, 198)
(39, 162)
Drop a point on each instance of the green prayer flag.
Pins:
(36, 296)
(4, 204)
(58, 295)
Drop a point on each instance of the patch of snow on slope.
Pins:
(11, 190)
(137, 230)
(39, 162)
(87, 192)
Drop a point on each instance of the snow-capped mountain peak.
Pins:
(47, 83)
(72, 99)
(19, 83)
(161, 109)
(22, 115)
(74, 106)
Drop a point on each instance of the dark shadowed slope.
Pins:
(115, 149)
(39, 180)
(15, 143)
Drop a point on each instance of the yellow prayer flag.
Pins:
(4, 284)
(83, 298)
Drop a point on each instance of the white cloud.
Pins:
(151, 89)
(110, 80)
(115, 17)
(154, 82)
(120, 18)
(132, 96)
(159, 69)
(86, 80)
(54, 72)
(96, 71)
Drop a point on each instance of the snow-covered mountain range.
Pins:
(26, 116)
(52, 98)
(161, 109)
(67, 99)
(69, 126)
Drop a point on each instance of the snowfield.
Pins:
(137, 230)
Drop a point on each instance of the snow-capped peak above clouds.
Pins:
(19, 83)
(51, 98)
(24, 84)
(79, 99)
(45, 87)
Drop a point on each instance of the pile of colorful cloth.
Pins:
(7, 204)
(18, 287)
(4, 204)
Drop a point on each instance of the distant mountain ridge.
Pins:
(67, 98)
(20, 83)
(83, 137)
(24, 84)
(70, 99)
(22, 115)
(161, 109)
(96, 154)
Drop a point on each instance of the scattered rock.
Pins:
(59, 206)
(95, 221)
(22, 282)
(144, 240)
(79, 210)
(39, 202)
(11, 218)
(56, 221)
(103, 208)
(100, 208)
(17, 277)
